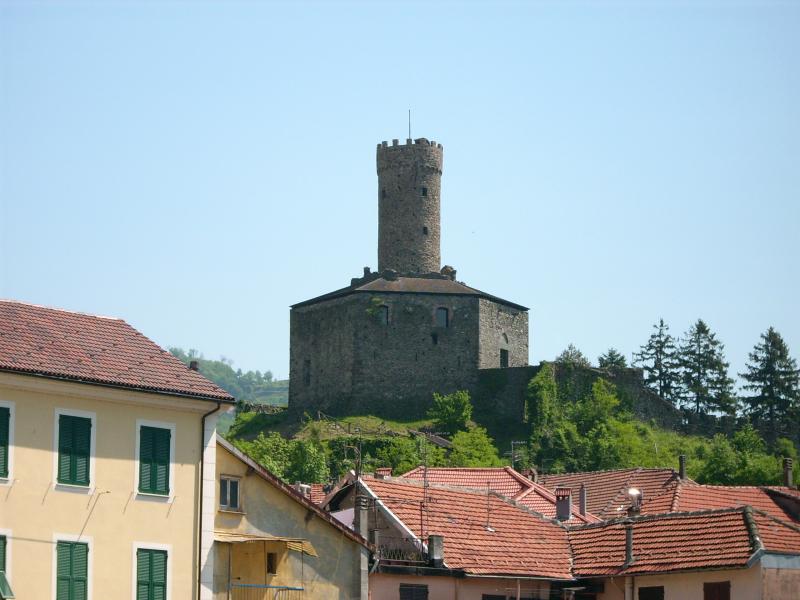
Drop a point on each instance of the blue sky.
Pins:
(197, 167)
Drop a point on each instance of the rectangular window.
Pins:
(442, 317)
(424, 192)
(74, 449)
(229, 493)
(272, 563)
(151, 574)
(413, 591)
(5, 439)
(383, 315)
(72, 566)
(154, 460)
(503, 359)
(651, 593)
(5, 588)
(718, 590)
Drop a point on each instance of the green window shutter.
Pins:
(3, 543)
(154, 443)
(72, 567)
(74, 449)
(5, 418)
(151, 574)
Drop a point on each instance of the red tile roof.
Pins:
(683, 496)
(505, 481)
(516, 542)
(317, 494)
(607, 491)
(85, 348)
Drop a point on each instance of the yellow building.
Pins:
(107, 471)
(272, 542)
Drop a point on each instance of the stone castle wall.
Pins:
(409, 193)
(502, 327)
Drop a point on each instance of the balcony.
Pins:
(256, 591)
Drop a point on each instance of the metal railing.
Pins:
(405, 550)
(255, 591)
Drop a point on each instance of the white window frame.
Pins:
(150, 546)
(229, 508)
(83, 539)
(7, 534)
(168, 498)
(9, 479)
(66, 487)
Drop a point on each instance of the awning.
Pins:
(296, 544)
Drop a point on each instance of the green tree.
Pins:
(704, 372)
(307, 463)
(658, 359)
(774, 379)
(270, 451)
(572, 357)
(612, 359)
(451, 412)
(596, 408)
(720, 464)
(473, 448)
(405, 453)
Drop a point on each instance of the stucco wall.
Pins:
(266, 510)
(113, 516)
(781, 584)
(387, 587)
(745, 584)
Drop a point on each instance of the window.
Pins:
(492, 597)
(5, 441)
(307, 372)
(154, 460)
(424, 231)
(442, 317)
(413, 591)
(151, 574)
(718, 590)
(383, 315)
(424, 192)
(72, 566)
(435, 338)
(503, 359)
(5, 587)
(229, 493)
(74, 449)
(383, 193)
(651, 593)
(272, 563)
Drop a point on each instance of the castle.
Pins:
(386, 342)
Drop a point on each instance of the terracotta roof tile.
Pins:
(516, 542)
(607, 491)
(86, 348)
(683, 496)
(503, 480)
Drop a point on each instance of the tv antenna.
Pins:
(409, 123)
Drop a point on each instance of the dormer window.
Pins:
(442, 317)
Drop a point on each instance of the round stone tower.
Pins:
(409, 184)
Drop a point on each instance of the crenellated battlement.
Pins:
(409, 142)
(424, 153)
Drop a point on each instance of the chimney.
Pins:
(635, 496)
(383, 472)
(628, 545)
(194, 365)
(788, 479)
(563, 504)
(436, 550)
(682, 467)
(582, 501)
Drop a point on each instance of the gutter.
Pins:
(200, 508)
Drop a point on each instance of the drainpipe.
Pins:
(200, 507)
(629, 588)
(629, 558)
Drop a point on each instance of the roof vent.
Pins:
(194, 365)
(436, 550)
(787, 472)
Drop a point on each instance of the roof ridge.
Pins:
(659, 516)
(756, 543)
(63, 310)
(787, 524)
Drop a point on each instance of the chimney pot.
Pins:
(436, 550)
(788, 479)
(682, 467)
(563, 504)
(194, 365)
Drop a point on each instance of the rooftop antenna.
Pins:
(409, 123)
(489, 527)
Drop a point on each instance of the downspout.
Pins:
(200, 511)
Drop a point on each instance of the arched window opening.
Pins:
(442, 317)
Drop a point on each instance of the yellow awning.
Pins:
(296, 544)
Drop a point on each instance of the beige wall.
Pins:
(387, 587)
(112, 517)
(745, 584)
(334, 574)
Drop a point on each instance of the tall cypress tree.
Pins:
(705, 384)
(773, 376)
(658, 360)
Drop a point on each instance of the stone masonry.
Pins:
(385, 343)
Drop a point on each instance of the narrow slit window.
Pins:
(424, 192)
(424, 231)
(272, 563)
(435, 338)
(383, 315)
(383, 193)
(442, 317)
(503, 359)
